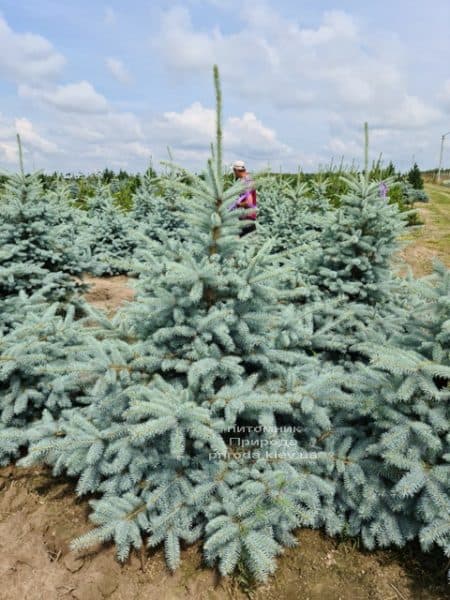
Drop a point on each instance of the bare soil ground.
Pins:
(108, 293)
(40, 515)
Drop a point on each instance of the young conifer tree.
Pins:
(158, 207)
(199, 425)
(144, 197)
(36, 250)
(38, 367)
(415, 177)
(109, 235)
(350, 292)
(291, 216)
(60, 200)
(392, 439)
(41, 324)
(357, 246)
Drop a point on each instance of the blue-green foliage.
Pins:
(60, 199)
(41, 362)
(157, 430)
(158, 206)
(343, 286)
(245, 393)
(405, 195)
(109, 235)
(292, 216)
(37, 250)
(412, 194)
(197, 360)
(357, 245)
(393, 438)
(145, 197)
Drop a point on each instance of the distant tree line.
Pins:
(124, 185)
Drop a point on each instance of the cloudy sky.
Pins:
(92, 84)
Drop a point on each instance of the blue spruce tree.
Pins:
(109, 235)
(245, 393)
(289, 215)
(347, 274)
(36, 249)
(411, 421)
(158, 207)
(38, 367)
(198, 425)
(390, 438)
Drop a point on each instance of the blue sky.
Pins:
(93, 84)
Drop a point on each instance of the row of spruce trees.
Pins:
(124, 186)
(109, 237)
(255, 385)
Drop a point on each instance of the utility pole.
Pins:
(19, 144)
(366, 151)
(441, 156)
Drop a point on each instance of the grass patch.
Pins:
(433, 238)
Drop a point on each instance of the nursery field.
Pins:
(430, 240)
(190, 407)
(41, 515)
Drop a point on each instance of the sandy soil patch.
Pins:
(40, 515)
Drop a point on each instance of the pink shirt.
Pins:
(248, 199)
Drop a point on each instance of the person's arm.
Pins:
(243, 201)
(250, 199)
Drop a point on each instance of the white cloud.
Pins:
(78, 97)
(92, 141)
(344, 147)
(31, 138)
(181, 46)
(412, 113)
(194, 128)
(336, 25)
(84, 142)
(33, 143)
(282, 64)
(250, 135)
(123, 151)
(322, 80)
(118, 70)
(8, 145)
(337, 66)
(9, 153)
(109, 127)
(6, 128)
(444, 95)
(401, 145)
(27, 57)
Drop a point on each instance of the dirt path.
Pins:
(433, 238)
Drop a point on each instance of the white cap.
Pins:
(239, 165)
